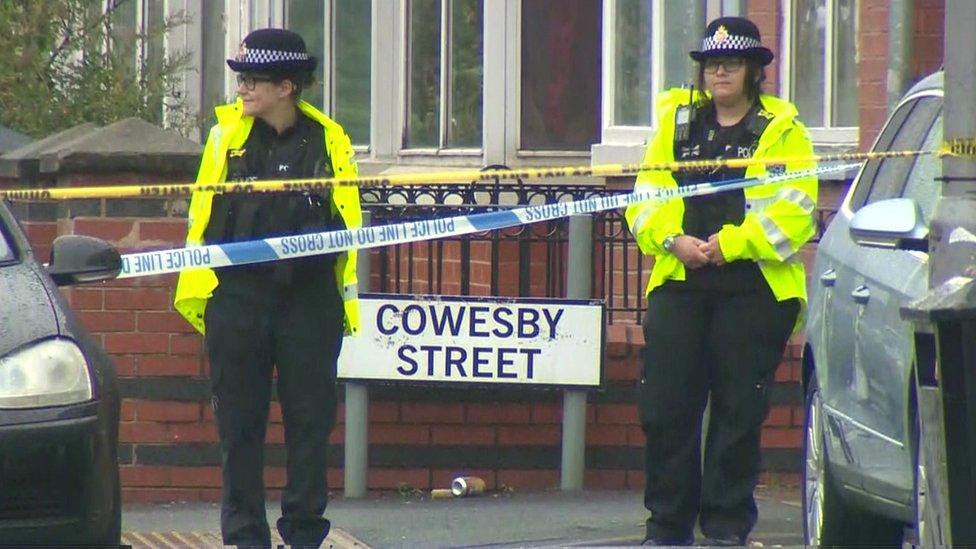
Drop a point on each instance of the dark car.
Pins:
(864, 481)
(59, 401)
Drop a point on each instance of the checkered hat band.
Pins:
(271, 56)
(731, 42)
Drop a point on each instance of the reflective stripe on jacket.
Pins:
(778, 218)
(196, 286)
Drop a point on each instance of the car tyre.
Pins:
(829, 520)
(113, 532)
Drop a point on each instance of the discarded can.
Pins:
(441, 493)
(467, 486)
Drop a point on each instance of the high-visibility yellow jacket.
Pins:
(778, 217)
(196, 286)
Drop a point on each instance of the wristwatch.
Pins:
(668, 242)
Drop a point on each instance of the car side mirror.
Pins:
(77, 259)
(895, 224)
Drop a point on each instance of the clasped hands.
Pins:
(696, 253)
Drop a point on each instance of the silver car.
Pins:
(862, 474)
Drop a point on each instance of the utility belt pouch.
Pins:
(318, 215)
(220, 220)
(244, 213)
(237, 165)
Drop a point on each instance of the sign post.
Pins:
(356, 462)
(546, 343)
(578, 283)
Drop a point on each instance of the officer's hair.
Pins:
(755, 76)
(299, 81)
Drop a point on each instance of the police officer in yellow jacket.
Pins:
(288, 315)
(726, 291)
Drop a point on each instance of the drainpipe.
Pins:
(900, 33)
(693, 34)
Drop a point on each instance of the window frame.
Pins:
(141, 26)
(612, 132)
(515, 78)
(180, 38)
(442, 150)
(828, 134)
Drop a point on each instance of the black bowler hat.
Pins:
(274, 51)
(733, 37)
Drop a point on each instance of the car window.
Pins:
(922, 185)
(6, 248)
(885, 178)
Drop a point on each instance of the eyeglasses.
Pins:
(730, 64)
(251, 80)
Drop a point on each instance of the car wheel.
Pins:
(829, 520)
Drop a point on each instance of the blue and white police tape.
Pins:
(303, 245)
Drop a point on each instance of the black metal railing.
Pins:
(524, 261)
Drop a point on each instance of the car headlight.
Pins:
(50, 373)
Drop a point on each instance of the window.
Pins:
(632, 63)
(678, 68)
(124, 22)
(308, 20)
(342, 80)
(823, 49)
(886, 178)
(445, 42)
(560, 74)
(137, 28)
(136, 38)
(647, 44)
(351, 67)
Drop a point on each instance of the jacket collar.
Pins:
(784, 112)
(233, 113)
(669, 99)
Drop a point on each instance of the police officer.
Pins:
(286, 315)
(726, 290)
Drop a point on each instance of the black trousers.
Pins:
(254, 325)
(701, 343)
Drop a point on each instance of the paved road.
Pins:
(538, 519)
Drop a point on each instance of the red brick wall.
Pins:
(435, 267)
(768, 16)
(927, 47)
(873, 69)
(929, 40)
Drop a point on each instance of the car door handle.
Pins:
(861, 294)
(828, 278)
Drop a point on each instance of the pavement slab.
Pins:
(508, 519)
